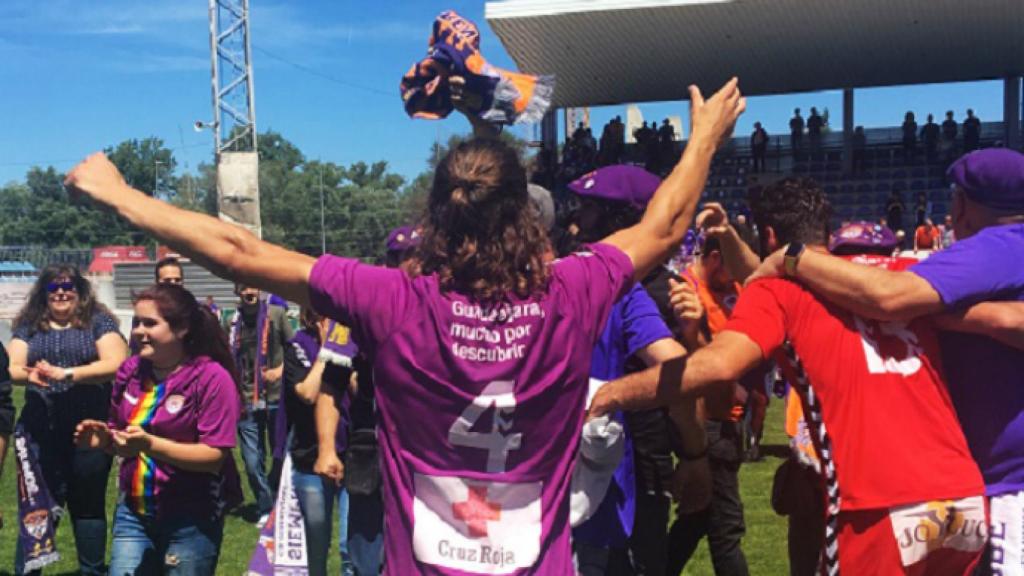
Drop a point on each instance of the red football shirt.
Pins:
(895, 435)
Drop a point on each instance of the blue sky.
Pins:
(77, 76)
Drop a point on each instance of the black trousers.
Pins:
(722, 521)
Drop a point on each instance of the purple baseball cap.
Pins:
(622, 183)
(403, 238)
(993, 177)
(863, 235)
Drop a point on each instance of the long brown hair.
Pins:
(204, 336)
(480, 236)
(36, 312)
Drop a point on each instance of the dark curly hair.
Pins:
(36, 312)
(479, 235)
(795, 208)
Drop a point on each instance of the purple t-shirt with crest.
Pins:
(198, 403)
(480, 409)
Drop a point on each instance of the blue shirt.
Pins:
(634, 324)
(986, 378)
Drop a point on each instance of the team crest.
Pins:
(174, 403)
(35, 523)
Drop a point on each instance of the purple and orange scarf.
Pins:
(454, 50)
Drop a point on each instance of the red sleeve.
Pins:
(759, 314)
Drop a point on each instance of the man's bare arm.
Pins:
(1002, 321)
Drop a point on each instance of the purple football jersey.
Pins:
(198, 403)
(480, 409)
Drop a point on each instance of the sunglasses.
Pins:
(65, 286)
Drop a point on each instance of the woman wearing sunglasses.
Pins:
(172, 419)
(66, 349)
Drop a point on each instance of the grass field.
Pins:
(764, 545)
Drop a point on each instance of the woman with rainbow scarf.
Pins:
(172, 419)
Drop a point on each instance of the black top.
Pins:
(6, 402)
(302, 416)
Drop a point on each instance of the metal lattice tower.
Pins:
(234, 105)
(234, 114)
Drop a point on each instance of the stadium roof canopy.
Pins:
(615, 51)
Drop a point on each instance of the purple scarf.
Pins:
(262, 341)
(37, 511)
(454, 50)
(339, 348)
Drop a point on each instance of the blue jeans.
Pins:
(178, 546)
(316, 500)
(366, 533)
(252, 431)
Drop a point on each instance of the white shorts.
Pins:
(1006, 535)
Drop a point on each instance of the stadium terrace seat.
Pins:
(833, 167)
(899, 186)
(940, 209)
(919, 173)
(865, 187)
(834, 157)
(883, 187)
(817, 168)
(936, 183)
(832, 176)
(882, 174)
(899, 174)
(756, 189)
(881, 197)
(938, 195)
(831, 191)
(936, 172)
(800, 168)
(865, 212)
(846, 188)
(918, 185)
(739, 181)
(864, 199)
(882, 162)
(737, 194)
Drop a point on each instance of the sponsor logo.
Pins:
(133, 400)
(952, 524)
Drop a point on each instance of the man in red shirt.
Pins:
(927, 236)
(904, 495)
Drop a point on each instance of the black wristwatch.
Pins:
(792, 258)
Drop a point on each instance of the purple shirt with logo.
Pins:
(200, 404)
(986, 378)
(633, 324)
(480, 409)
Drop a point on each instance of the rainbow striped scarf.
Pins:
(140, 491)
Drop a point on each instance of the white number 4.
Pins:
(499, 394)
(908, 365)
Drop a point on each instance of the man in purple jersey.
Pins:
(984, 374)
(481, 354)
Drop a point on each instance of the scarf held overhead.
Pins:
(493, 94)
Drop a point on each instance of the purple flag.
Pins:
(339, 348)
(37, 513)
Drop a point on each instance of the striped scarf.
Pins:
(141, 489)
(816, 424)
(454, 50)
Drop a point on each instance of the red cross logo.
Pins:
(476, 511)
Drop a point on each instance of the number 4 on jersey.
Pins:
(501, 395)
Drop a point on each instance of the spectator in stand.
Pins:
(212, 306)
(667, 143)
(909, 136)
(860, 144)
(930, 137)
(949, 130)
(948, 232)
(814, 125)
(172, 421)
(927, 236)
(901, 242)
(759, 146)
(796, 132)
(921, 208)
(972, 132)
(883, 222)
(579, 133)
(482, 270)
(169, 271)
(66, 348)
(894, 210)
(6, 412)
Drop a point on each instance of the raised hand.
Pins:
(98, 178)
(92, 434)
(713, 219)
(772, 267)
(691, 485)
(715, 117)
